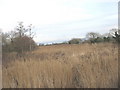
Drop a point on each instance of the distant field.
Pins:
(64, 66)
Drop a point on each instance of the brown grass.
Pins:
(65, 66)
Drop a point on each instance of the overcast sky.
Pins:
(60, 20)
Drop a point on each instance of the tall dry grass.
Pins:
(64, 66)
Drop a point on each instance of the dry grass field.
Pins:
(64, 66)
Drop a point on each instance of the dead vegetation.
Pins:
(64, 66)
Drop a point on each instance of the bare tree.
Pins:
(25, 38)
(21, 39)
(31, 35)
(112, 32)
(106, 35)
(117, 36)
(92, 35)
(20, 30)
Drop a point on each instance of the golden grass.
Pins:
(65, 66)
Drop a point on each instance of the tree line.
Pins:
(21, 39)
(94, 37)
